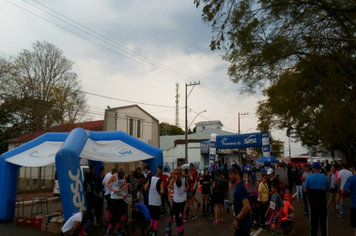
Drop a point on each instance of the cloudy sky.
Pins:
(134, 52)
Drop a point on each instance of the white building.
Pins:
(173, 146)
(135, 121)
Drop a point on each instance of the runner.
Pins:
(218, 192)
(263, 198)
(350, 185)
(316, 185)
(305, 175)
(180, 186)
(275, 209)
(332, 189)
(118, 185)
(154, 187)
(194, 184)
(206, 180)
(107, 196)
(165, 181)
(242, 221)
(344, 174)
(189, 201)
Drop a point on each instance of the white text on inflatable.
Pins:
(77, 188)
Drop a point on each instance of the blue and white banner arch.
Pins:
(240, 141)
(65, 150)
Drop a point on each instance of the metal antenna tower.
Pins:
(177, 104)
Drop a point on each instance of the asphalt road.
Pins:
(202, 226)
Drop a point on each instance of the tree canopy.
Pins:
(38, 90)
(167, 129)
(302, 54)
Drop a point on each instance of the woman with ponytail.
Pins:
(180, 185)
(118, 186)
(155, 190)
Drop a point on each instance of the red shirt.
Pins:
(165, 180)
(289, 198)
(194, 177)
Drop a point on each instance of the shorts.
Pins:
(219, 198)
(189, 196)
(333, 190)
(353, 217)
(193, 192)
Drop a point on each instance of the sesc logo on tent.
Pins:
(77, 189)
(250, 139)
(124, 151)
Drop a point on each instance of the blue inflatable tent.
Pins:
(65, 150)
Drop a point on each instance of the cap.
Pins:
(316, 165)
(270, 170)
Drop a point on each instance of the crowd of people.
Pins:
(267, 204)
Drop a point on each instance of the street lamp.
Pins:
(239, 114)
(186, 116)
(196, 117)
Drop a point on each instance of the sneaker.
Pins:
(185, 220)
(221, 221)
(193, 217)
(199, 204)
(215, 222)
(263, 227)
(340, 215)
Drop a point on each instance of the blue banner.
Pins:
(239, 141)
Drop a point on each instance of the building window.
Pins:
(131, 126)
(203, 127)
(138, 129)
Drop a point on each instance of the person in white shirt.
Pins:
(107, 194)
(75, 225)
(344, 174)
(155, 190)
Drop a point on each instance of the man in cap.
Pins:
(317, 185)
(272, 179)
(242, 221)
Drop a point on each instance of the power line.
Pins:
(163, 69)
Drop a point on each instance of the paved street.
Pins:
(201, 226)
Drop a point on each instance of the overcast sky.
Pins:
(136, 51)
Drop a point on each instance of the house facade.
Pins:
(173, 146)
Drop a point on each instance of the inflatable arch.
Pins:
(263, 140)
(65, 150)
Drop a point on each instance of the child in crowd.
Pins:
(218, 193)
(288, 212)
(275, 209)
(287, 196)
(141, 214)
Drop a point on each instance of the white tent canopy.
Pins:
(107, 151)
(41, 155)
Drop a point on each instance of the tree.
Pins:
(167, 129)
(40, 90)
(303, 54)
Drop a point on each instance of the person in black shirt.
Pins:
(89, 187)
(290, 175)
(206, 180)
(272, 179)
(99, 196)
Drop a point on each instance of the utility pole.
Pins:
(186, 116)
(239, 114)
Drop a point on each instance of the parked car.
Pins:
(56, 192)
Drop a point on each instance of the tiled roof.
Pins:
(90, 125)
